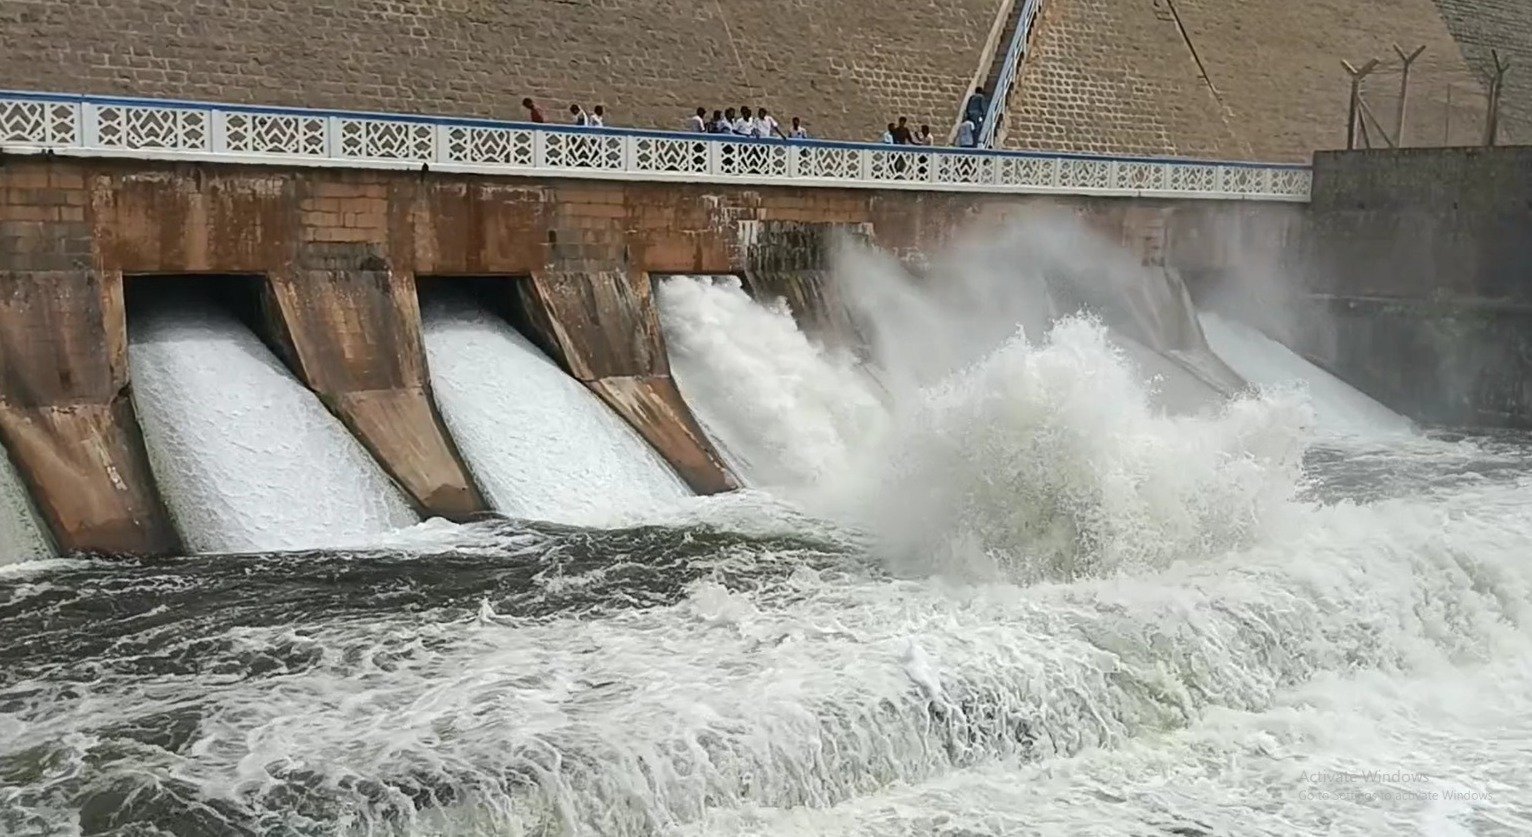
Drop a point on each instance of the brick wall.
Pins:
(846, 67)
(1114, 76)
(1278, 65)
(1504, 25)
(1255, 79)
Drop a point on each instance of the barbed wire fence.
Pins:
(1412, 98)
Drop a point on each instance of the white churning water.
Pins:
(246, 457)
(1057, 609)
(784, 410)
(540, 444)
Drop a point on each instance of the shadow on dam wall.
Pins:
(328, 262)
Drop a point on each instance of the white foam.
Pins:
(540, 444)
(247, 458)
(829, 687)
(1338, 407)
(1049, 462)
(786, 410)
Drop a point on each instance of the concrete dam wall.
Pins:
(1421, 280)
(323, 265)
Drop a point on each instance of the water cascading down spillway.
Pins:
(539, 443)
(22, 536)
(246, 458)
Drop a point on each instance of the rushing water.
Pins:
(21, 533)
(244, 455)
(541, 444)
(1014, 599)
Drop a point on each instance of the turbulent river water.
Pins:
(1021, 601)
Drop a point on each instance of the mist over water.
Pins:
(993, 578)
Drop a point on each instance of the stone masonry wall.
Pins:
(1256, 79)
(1115, 77)
(1506, 26)
(845, 67)
(1277, 65)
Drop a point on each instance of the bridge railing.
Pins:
(34, 123)
(1008, 71)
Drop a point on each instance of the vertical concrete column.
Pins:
(65, 414)
(790, 260)
(603, 328)
(350, 325)
(597, 318)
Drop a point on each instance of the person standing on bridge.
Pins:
(745, 125)
(534, 112)
(766, 126)
(967, 135)
(923, 136)
(577, 116)
(902, 133)
(698, 123)
(977, 107)
(888, 135)
(598, 117)
(798, 132)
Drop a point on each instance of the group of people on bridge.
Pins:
(760, 124)
(746, 123)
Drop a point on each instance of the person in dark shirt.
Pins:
(902, 133)
(534, 113)
(977, 107)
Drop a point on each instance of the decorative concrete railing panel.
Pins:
(33, 123)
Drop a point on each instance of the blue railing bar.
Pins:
(1008, 72)
(473, 122)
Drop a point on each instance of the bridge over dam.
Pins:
(320, 246)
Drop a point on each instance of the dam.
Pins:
(375, 462)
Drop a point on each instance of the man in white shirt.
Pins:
(798, 131)
(745, 125)
(698, 123)
(967, 135)
(766, 126)
(888, 135)
(577, 116)
(598, 118)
